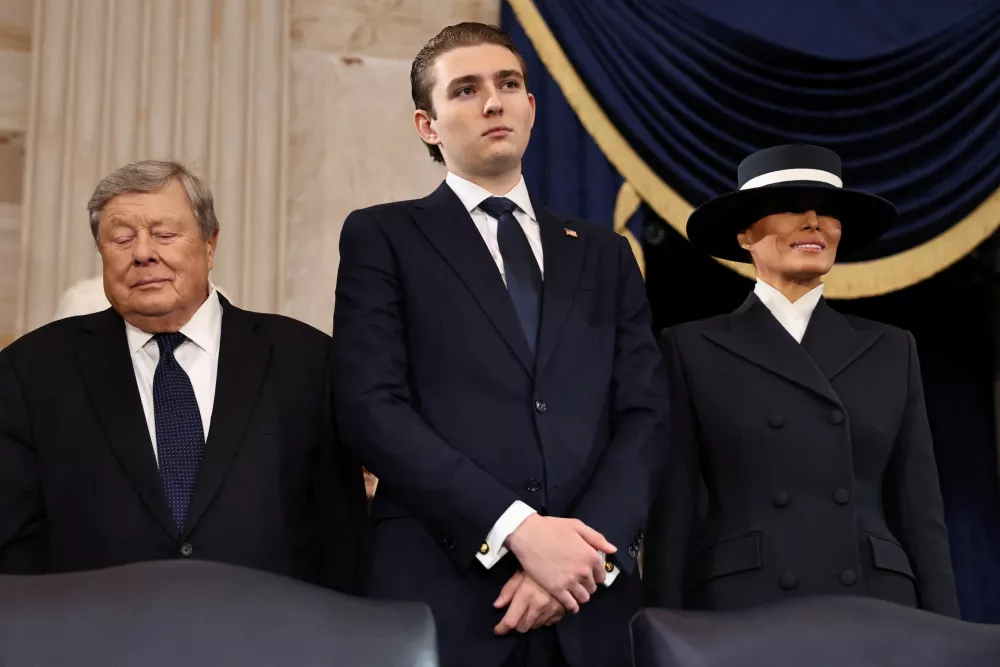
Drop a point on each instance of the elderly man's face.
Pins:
(156, 261)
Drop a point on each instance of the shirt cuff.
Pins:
(493, 549)
(611, 569)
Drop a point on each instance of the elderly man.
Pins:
(173, 424)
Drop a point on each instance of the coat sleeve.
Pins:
(672, 518)
(618, 498)
(340, 505)
(912, 496)
(22, 510)
(374, 407)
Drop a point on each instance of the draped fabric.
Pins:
(906, 91)
(918, 124)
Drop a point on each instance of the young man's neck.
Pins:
(497, 184)
(793, 289)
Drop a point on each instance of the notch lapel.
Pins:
(244, 353)
(448, 226)
(757, 337)
(564, 255)
(833, 343)
(103, 356)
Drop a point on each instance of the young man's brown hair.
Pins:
(451, 38)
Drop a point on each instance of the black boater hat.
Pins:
(788, 179)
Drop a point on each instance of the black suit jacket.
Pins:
(437, 392)
(797, 469)
(79, 485)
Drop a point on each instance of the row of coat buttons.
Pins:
(782, 499)
(777, 420)
(789, 581)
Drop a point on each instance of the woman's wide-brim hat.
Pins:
(788, 179)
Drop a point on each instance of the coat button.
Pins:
(540, 406)
(782, 499)
(841, 496)
(848, 577)
(777, 420)
(633, 550)
(836, 417)
(187, 550)
(532, 485)
(789, 581)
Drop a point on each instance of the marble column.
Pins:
(15, 82)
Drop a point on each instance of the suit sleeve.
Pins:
(675, 509)
(341, 509)
(374, 408)
(912, 495)
(618, 498)
(22, 512)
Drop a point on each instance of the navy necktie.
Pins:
(180, 439)
(524, 278)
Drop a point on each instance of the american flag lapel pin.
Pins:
(570, 232)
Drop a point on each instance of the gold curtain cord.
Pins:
(626, 204)
(845, 281)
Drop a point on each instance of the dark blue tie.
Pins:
(180, 439)
(524, 278)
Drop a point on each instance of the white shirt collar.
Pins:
(473, 195)
(204, 329)
(794, 317)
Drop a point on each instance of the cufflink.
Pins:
(609, 567)
(484, 548)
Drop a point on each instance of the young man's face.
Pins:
(483, 112)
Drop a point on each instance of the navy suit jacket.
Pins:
(437, 392)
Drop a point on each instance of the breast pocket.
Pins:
(592, 305)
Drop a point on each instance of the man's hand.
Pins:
(561, 556)
(531, 606)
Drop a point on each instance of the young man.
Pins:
(495, 367)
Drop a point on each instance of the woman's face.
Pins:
(793, 246)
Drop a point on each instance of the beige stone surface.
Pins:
(352, 144)
(11, 167)
(15, 87)
(386, 28)
(15, 24)
(10, 252)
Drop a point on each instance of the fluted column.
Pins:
(203, 82)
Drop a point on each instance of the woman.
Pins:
(801, 462)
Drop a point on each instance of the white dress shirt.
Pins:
(198, 356)
(472, 196)
(794, 317)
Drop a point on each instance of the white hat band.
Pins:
(786, 175)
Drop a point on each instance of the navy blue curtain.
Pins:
(908, 92)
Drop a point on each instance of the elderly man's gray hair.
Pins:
(152, 176)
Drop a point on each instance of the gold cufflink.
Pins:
(609, 567)
(484, 548)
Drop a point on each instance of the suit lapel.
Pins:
(447, 225)
(563, 256)
(833, 343)
(103, 357)
(756, 336)
(244, 353)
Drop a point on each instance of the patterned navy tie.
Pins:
(180, 439)
(524, 278)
